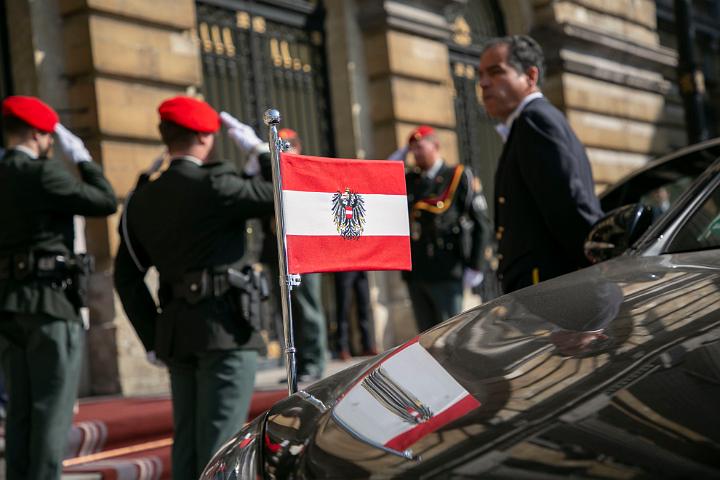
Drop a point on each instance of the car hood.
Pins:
(484, 382)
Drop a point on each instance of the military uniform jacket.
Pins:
(446, 233)
(190, 218)
(38, 199)
(545, 202)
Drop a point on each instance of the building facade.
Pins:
(353, 77)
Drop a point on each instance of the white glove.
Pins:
(472, 278)
(156, 164)
(152, 358)
(242, 135)
(72, 147)
(399, 154)
(252, 165)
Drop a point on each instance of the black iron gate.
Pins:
(5, 76)
(258, 55)
(479, 146)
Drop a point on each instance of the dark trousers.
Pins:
(211, 395)
(310, 327)
(435, 302)
(41, 358)
(345, 284)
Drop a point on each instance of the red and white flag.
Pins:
(344, 215)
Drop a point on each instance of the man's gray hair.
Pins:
(523, 52)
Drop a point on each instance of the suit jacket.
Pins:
(446, 224)
(190, 218)
(38, 199)
(545, 202)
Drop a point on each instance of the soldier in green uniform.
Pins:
(190, 224)
(307, 309)
(447, 238)
(41, 330)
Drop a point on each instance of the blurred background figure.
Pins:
(447, 237)
(345, 284)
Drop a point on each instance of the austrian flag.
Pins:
(344, 215)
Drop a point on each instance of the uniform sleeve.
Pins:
(552, 175)
(130, 268)
(92, 196)
(245, 198)
(475, 209)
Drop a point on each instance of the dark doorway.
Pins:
(258, 55)
(479, 146)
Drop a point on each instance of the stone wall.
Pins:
(607, 71)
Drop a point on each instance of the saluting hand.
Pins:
(242, 135)
(72, 147)
(399, 154)
(156, 164)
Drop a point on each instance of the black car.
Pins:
(608, 372)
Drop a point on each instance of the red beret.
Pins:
(421, 132)
(190, 113)
(287, 134)
(32, 111)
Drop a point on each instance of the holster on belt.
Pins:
(246, 286)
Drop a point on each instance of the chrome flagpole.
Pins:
(272, 120)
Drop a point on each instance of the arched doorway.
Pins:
(479, 146)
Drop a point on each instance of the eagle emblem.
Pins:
(348, 211)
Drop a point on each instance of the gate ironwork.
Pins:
(258, 55)
(479, 146)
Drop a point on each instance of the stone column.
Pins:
(408, 83)
(607, 70)
(122, 58)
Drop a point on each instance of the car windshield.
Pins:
(661, 186)
(702, 230)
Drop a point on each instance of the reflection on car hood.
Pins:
(489, 389)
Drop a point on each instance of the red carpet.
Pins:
(130, 438)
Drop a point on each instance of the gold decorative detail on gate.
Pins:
(316, 38)
(275, 52)
(258, 24)
(205, 38)
(285, 52)
(217, 39)
(228, 42)
(459, 70)
(469, 71)
(461, 32)
(242, 20)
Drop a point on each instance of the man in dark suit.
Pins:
(190, 224)
(545, 201)
(41, 331)
(446, 235)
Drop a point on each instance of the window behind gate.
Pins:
(259, 55)
(479, 145)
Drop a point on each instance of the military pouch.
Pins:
(195, 287)
(22, 265)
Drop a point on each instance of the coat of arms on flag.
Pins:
(348, 209)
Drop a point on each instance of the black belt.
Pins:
(215, 282)
(201, 284)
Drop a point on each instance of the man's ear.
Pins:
(533, 75)
(204, 138)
